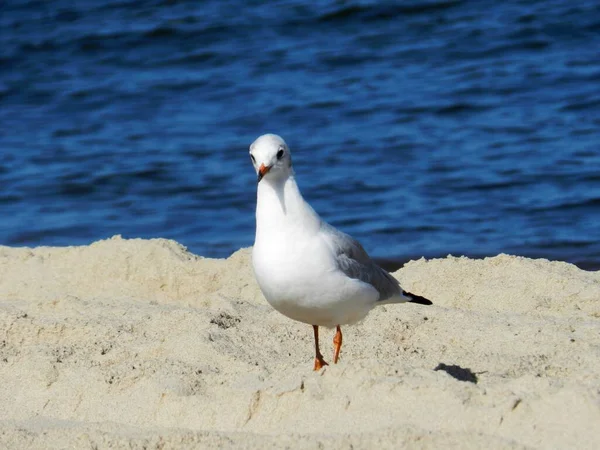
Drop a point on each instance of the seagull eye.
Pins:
(252, 158)
(280, 153)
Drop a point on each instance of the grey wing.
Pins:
(353, 260)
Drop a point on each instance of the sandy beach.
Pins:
(141, 344)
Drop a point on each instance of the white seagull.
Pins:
(306, 269)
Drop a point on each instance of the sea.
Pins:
(421, 128)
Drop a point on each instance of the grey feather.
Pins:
(353, 260)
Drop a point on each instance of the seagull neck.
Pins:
(280, 203)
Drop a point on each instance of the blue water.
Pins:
(420, 127)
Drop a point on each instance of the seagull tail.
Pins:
(414, 298)
(405, 297)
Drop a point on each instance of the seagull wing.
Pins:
(353, 260)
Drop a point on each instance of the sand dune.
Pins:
(140, 344)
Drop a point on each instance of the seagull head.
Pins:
(271, 157)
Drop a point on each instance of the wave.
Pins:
(384, 12)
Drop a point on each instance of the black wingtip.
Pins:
(418, 299)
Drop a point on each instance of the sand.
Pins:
(141, 344)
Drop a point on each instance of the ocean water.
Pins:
(422, 128)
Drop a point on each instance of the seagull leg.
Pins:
(337, 344)
(319, 361)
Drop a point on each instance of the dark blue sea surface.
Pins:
(422, 128)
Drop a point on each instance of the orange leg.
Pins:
(337, 344)
(319, 361)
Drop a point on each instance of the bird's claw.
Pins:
(320, 363)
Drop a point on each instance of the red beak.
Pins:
(262, 171)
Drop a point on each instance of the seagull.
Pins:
(306, 269)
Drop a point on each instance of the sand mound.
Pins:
(140, 344)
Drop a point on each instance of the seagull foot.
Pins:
(319, 363)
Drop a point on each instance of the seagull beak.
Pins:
(262, 171)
